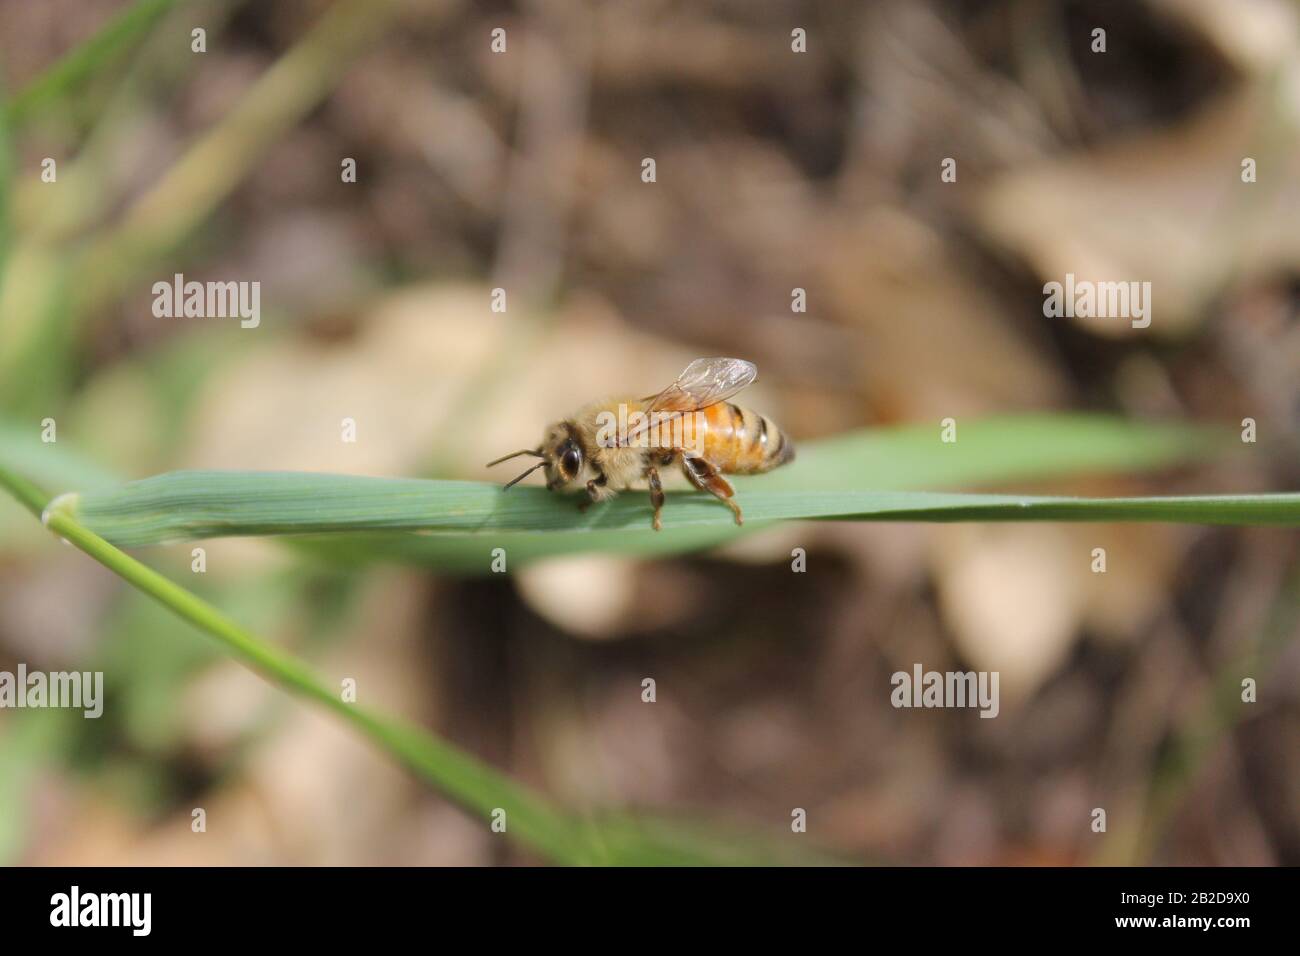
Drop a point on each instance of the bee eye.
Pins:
(570, 461)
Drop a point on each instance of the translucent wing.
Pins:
(704, 382)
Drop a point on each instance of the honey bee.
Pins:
(690, 423)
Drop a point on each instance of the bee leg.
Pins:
(656, 494)
(706, 477)
(593, 493)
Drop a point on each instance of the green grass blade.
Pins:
(530, 818)
(49, 464)
(169, 212)
(469, 782)
(456, 524)
(26, 493)
(204, 504)
(1000, 449)
(606, 838)
(6, 185)
(67, 75)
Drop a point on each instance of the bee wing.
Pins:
(704, 382)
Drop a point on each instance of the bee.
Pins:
(690, 423)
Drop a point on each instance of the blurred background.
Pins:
(775, 170)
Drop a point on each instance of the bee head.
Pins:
(561, 456)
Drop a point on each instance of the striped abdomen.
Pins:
(739, 441)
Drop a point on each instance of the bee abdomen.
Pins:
(779, 447)
(773, 444)
(745, 442)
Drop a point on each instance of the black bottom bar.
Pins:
(333, 906)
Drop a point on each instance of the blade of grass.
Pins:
(6, 201)
(468, 782)
(109, 259)
(51, 464)
(41, 310)
(184, 505)
(457, 523)
(221, 158)
(27, 494)
(72, 70)
(44, 464)
(476, 787)
(1000, 449)
(464, 779)
(994, 450)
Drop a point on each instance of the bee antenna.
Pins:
(536, 453)
(523, 476)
